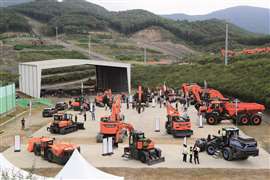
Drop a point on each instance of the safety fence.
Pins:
(7, 98)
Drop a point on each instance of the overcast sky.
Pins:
(191, 7)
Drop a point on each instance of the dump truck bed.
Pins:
(244, 107)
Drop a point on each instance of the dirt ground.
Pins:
(176, 174)
(210, 168)
(261, 133)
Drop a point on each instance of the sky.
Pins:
(191, 7)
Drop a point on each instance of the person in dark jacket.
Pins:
(196, 151)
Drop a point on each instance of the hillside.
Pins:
(247, 80)
(253, 19)
(13, 2)
(81, 17)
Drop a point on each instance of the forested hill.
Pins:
(81, 17)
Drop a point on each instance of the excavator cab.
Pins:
(62, 117)
(143, 149)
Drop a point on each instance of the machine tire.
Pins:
(37, 149)
(243, 119)
(49, 155)
(167, 128)
(210, 149)
(99, 138)
(256, 120)
(211, 120)
(143, 157)
(227, 154)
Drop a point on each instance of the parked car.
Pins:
(60, 106)
(48, 112)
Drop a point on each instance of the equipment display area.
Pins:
(109, 74)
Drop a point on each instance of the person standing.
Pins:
(190, 152)
(76, 118)
(196, 151)
(185, 151)
(176, 105)
(23, 123)
(127, 101)
(84, 115)
(93, 112)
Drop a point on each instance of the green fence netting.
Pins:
(24, 103)
(7, 98)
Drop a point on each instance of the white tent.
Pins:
(78, 168)
(8, 170)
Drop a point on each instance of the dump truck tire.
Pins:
(256, 120)
(227, 154)
(211, 120)
(243, 119)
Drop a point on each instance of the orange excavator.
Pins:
(49, 150)
(109, 125)
(63, 124)
(141, 148)
(178, 126)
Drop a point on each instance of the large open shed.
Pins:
(109, 74)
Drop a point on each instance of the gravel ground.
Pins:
(172, 168)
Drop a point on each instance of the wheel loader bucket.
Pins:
(155, 161)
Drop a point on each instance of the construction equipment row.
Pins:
(215, 107)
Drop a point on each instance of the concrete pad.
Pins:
(171, 147)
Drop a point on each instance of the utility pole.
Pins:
(145, 55)
(82, 88)
(226, 46)
(56, 34)
(236, 107)
(89, 45)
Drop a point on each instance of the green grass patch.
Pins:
(37, 47)
(47, 55)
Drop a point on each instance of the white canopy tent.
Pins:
(8, 170)
(78, 168)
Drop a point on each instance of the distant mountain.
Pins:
(253, 19)
(6, 3)
(80, 17)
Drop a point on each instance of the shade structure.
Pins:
(109, 74)
(78, 168)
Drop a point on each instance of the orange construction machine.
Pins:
(103, 99)
(109, 125)
(178, 126)
(241, 113)
(51, 151)
(63, 124)
(143, 149)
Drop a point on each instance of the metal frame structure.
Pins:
(109, 73)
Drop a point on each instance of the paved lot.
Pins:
(145, 122)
